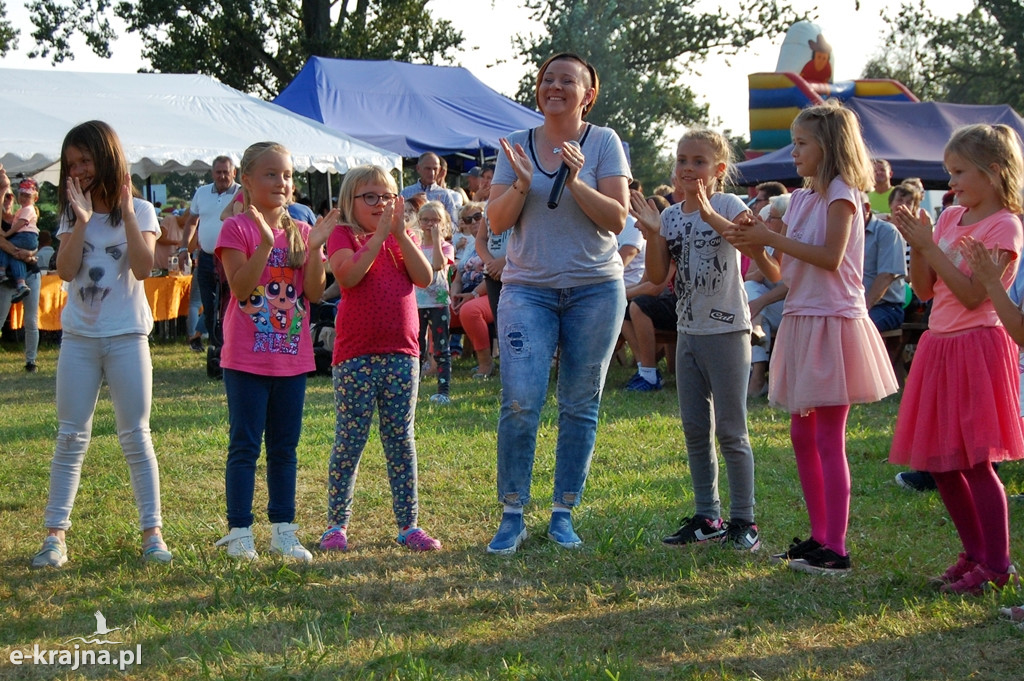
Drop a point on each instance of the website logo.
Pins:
(77, 656)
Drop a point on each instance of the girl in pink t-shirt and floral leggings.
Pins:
(376, 262)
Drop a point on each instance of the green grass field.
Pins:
(624, 607)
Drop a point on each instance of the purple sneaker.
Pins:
(334, 539)
(418, 540)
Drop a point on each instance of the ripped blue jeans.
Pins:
(581, 323)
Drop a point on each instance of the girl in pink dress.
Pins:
(961, 407)
(828, 355)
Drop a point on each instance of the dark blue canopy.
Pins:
(910, 135)
(406, 108)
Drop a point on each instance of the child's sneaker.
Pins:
(334, 539)
(284, 542)
(53, 554)
(798, 549)
(20, 293)
(741, 535)
(822, 561)
(154, 550)
(239, 542)
(954, 572)
(978, 580)
(418, 540)
(440, 398)
(695, 530)
(1014, 612)
(510, 535)
(560, 531)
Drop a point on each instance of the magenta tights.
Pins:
(976, 502)
(819, 442)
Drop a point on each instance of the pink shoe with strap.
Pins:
(418, 540)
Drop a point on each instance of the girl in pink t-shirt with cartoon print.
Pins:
(273, 266)
(376, 262)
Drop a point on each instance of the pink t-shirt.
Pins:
(1002, 229)
(27, 213)
(378, 315)
(815, 291)
(268, 334)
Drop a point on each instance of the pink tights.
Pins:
(976, 502)
(819, 442)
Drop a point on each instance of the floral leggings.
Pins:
(392, 383)
(437, 319)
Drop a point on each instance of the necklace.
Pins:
(558, 150)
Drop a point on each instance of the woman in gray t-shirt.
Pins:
(562, 289)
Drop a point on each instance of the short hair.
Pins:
(223, 159)
(881, 161)
(660, 202)
(985, 146)
(837, 132)
(595, 82)
(780, 202)
(427, 154)
(907, 189)
(771, 189)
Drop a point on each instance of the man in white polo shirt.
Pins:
(207, 205)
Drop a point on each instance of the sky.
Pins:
(489, 28)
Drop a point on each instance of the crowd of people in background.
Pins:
(551, 259)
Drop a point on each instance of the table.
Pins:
(168, 299)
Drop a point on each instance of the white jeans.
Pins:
(83, 364)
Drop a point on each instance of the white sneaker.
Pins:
(240, 544)
(284, 542)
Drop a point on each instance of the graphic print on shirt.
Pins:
(275, 308)
(97, 265)
(700, 268)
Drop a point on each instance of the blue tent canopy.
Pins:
(406, 108)
(910, 135)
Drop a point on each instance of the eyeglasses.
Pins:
(371, 199)
(470, 219)
(430, 221)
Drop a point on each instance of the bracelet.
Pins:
(515, 185)
(476, 294)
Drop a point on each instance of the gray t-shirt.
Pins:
(561, 247)
(708, 283)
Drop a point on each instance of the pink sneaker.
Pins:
(334, 539)
(418, 540)
(954, 572)
(979, 580)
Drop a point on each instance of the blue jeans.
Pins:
(206, 278)
(582, 323)
(31, 311)
(886, 316)
(262, 408)
(28, 241)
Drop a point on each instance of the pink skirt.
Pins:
(828, 361)
(961, 404)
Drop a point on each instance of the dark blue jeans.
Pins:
(269, 409)
(206, 277)
(886, 316)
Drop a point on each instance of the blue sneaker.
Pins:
(641, 385)
(560, 531)
(511, 533)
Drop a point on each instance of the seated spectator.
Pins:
(172, 228)
(471, 310)
(763, 193)
(885, 269)
(45, 253)
(632, 247)
(766, 300)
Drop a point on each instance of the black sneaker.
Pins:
(822, 561)
(30, 367)
(695, 529)
(916, 481)
(741, 535)
(196, 344)
(798, 549)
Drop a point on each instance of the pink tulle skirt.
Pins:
(961, 404)
(828, 361)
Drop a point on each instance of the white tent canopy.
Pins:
(166, 122)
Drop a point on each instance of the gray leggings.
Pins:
(83, 364)
(711, 381)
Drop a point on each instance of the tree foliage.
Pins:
(641, 49)
(8, 34)
(972, 58)
(252, 45)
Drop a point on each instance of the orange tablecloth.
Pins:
(168, 298)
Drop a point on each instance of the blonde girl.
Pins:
(377, 262)
(434, 300)
(274, 268)
(960, 410)
(828, 355)
(713, 322)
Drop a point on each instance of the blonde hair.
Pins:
(296, 245)
(444, 229)
(837, 132)
(468, 208)
(993, 145)
(356, 178)
(721, 153)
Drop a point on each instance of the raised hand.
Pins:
(81, 202)
(916, 230)
(393, 218)
(648, 219)
(322, 230)
(749, 231)
(987, 265)
(266, 233)
(520, 162)
(127, 198)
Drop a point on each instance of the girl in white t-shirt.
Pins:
(107, 240)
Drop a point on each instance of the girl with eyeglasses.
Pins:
(433, 300)
(377, 262)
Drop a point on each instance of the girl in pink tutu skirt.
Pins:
(961, 406)
(828, 354)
